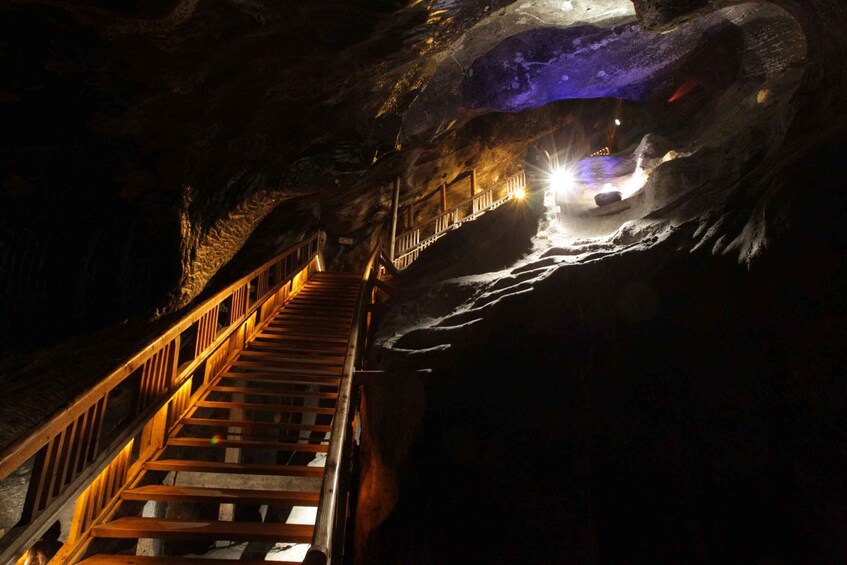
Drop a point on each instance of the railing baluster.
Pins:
(96, 430)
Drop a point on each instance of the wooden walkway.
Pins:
(249, 439)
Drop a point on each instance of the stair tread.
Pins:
(264, 377)
(277, 358)
(206, 494)
(282, 393)
(248, 424)
(229, 468)
(259, 407)
(248, 444)
(211, 530)
(271, 366)
(102, 559)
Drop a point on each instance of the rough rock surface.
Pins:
(145, 145)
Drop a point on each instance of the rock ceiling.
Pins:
(145, 146)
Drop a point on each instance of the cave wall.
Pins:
(670, 393)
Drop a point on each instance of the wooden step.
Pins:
(329, 360)
(314, 349)
(306, 338)
(337, 331)
(262, 374)
(331, 275)
(251, 424)
(270, 365)
(349, 289)
(309, 315)
(273, 343)
(348, 286)
(303, 306)
(264, 377)
(208, 442)
(333, 296)
(255, 391)
(220, 495)
(284, 408)
(102, 559)
(319, 303)
(275, 361)
(317, 312)
(187, 465)
(199, 530)
(255, 434)
(322, 314)
(322, 296)
(312, 324)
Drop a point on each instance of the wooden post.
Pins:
(443, 198)
(473, 182)
(395, 205)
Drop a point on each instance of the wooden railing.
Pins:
(67, 453)
(409, 244)
(333, 520)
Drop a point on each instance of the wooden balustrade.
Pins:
(66, 448)
(410, 243)
(100, 493)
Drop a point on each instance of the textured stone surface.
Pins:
(142, 146)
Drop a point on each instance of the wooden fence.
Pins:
(409, 244)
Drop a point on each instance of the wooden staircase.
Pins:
(254, 437)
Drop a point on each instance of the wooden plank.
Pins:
(283, 335)
(270, 360)
(284, 393)
(334, 294)
(319, 306)
(102, 559)
(269, 366)
(251, 424)
(321, 303)
(283, 408)
(326, 274)
(288, 327)
(199, 530)
(252, 372)
(220, 495)
(206, 442)
(329, 360)
(322, 282)
(270, 343)
(290, 318)
(283, 378)
(315, 327)
(318, 309)
(287, 349)
(322, 326)
(185, 465)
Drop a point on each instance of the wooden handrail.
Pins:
(18, 453)
(328, 538)
(412, 243)
(66, 445)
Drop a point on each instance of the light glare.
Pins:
(520, 194)
(561, 181)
